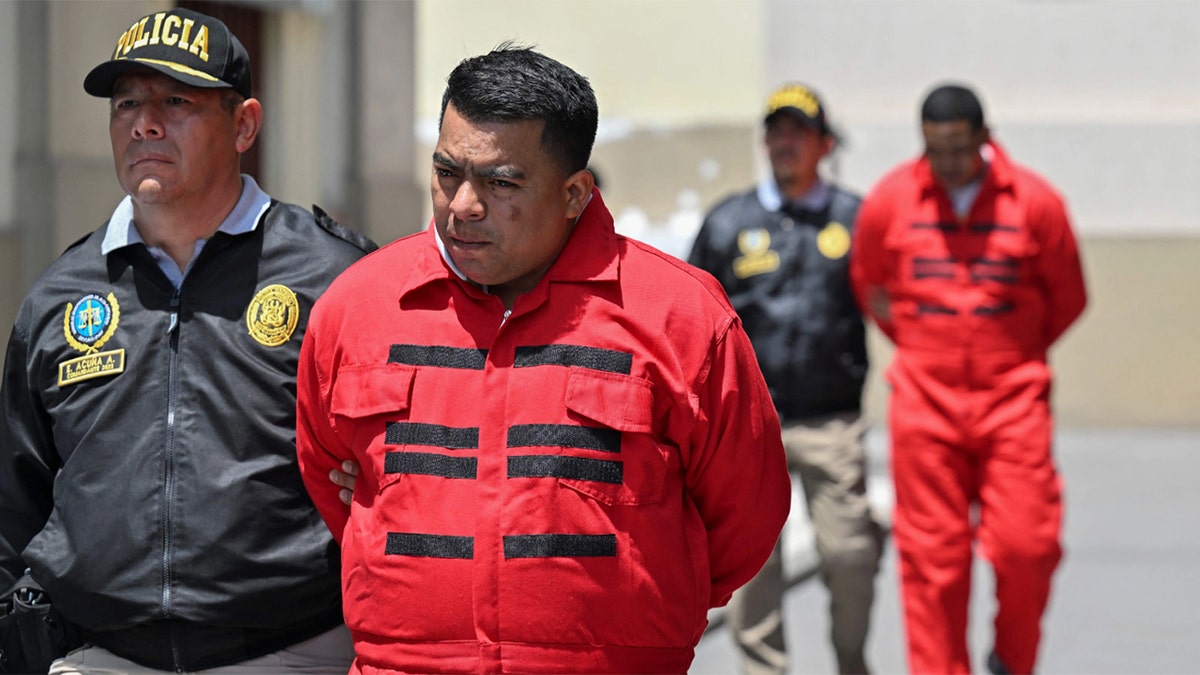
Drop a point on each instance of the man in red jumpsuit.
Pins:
(966, 260)
(568, 453)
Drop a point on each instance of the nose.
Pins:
(466, 204)
(147, 124)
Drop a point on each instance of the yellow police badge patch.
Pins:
(88, 324)
(757, 256)
(833, 241)
(272, 315)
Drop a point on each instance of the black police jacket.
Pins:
(148, 472)
(787, 275)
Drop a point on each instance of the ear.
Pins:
(247, 118)
(578, 188)
(828, 144)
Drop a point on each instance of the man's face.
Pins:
(502, 206)
(952, 149)
(795, 149)
(170, 141)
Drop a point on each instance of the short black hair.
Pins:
(953, 103)
(514, 83)
(230, 100)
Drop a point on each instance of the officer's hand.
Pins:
(345, 478)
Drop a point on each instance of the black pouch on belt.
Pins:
(32, 633)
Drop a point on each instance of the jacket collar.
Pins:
(815, 199)
(244, 217)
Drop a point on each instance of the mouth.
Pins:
(454, 236)
(467, 244)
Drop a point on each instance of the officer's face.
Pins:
(795, 149)
(502, 206)
(173, 143)
(952, 149)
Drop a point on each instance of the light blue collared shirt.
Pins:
(815, 199)
(243, 218)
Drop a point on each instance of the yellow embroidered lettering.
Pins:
(130, 37)
(121, 45)
(171, 23)
(158, 19)
(143, 36)
(200, 44)
(187, 33)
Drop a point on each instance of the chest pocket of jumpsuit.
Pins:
(1005, 259)
(623, 404)
(364, 400)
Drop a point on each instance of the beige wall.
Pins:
(648, 60)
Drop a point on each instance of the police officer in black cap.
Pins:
(148, 478)
(781, 252)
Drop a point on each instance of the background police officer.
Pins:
(781, 252)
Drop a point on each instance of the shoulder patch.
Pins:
(327, 223)
(88, 324)
(757, 256)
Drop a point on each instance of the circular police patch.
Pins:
(833, 241)
(91, 321)
(272, 315)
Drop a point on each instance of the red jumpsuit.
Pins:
(975, 303)
(565, 489)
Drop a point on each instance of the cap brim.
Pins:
(100, 81)
(794, 112)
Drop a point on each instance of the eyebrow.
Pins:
(497, 171)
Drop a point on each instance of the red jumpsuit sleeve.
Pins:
(1059, 268)
(319, 450)
(738, 476)
(870, 262)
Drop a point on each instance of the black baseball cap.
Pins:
(801, 102)
(191, 47)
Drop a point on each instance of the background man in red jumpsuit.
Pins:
(967, 262)
(568, 453)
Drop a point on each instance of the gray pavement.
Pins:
(1126, 597)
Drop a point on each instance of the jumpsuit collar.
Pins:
(997, 172)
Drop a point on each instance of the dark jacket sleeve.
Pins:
(28, 461)
(702, 254)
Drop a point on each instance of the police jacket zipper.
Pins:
(169, 468)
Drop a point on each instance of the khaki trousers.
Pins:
(329, 653)
(829, 455)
